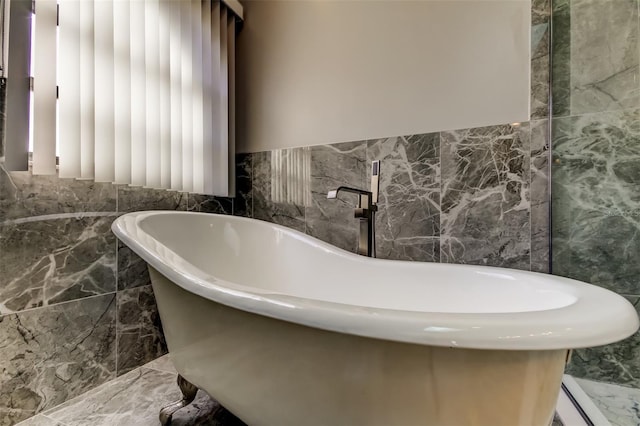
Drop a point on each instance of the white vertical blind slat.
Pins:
(152, 70)
(87, 92)
(69, 89)
(44, 93)
(138, 95)
(230, 187)
(196, 60)
(207, 98)
(165, 94)
(187, 96)
(222, 166)
(216, 100)
(104, 88)
(122, 86)
(175, 75)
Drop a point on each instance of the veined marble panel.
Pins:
(561, 54)
(485, 216)
(209, 204)
(540, 54)
(3, 113)
(605, 57)
(332, 166)
(616, 363)
(132, 270)
(55, 353)
(596, 202)
(25, 195)
(135, 399)
(139, 331)
(52, 261)
(619, 404)
(280, 192)
(135, 198)
(243, 203)
(408, 218)
(540, 192)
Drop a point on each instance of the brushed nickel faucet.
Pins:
(365, 211)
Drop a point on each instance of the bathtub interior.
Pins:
(286, 262)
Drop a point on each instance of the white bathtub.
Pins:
(283, 329)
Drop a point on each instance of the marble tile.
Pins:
(619, 404)
(3, 113)
(139, 331)
(332, 166)
(596, 204)
(280, 194)
(40, 420)
(209, 204)
(135, 198)
(616, 363)
(605, 56)
(561, 58)
(243, 203)
(485, 196)
(52, 261)
(540, 54)
(132, 270)
(55, 353)
(25, 195)
(135, 399)
(162, 364)
(540, 187)
(408, 218)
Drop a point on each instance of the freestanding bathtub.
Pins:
(283, 329)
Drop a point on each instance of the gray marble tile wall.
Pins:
(76, 307)
(596, 163)
(476, 196)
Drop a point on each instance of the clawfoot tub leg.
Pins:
(189, 392)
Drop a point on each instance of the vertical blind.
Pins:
(137, 92)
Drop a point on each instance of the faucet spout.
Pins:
(365, 212)
(334, 193)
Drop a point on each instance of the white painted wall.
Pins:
(324, 71)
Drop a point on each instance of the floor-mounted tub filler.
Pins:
(283, 329)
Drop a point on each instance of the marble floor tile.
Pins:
(139, 331)
(485, 216)
(619, 404)
(332, 166)
(243, 203)
(52, 261)
(605, 56)
(408, 218)
(596, 204)
(281, 190)
(40, 420)
(162, 364)
(55, 353)
(136, 399)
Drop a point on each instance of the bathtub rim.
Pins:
(582, 324)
